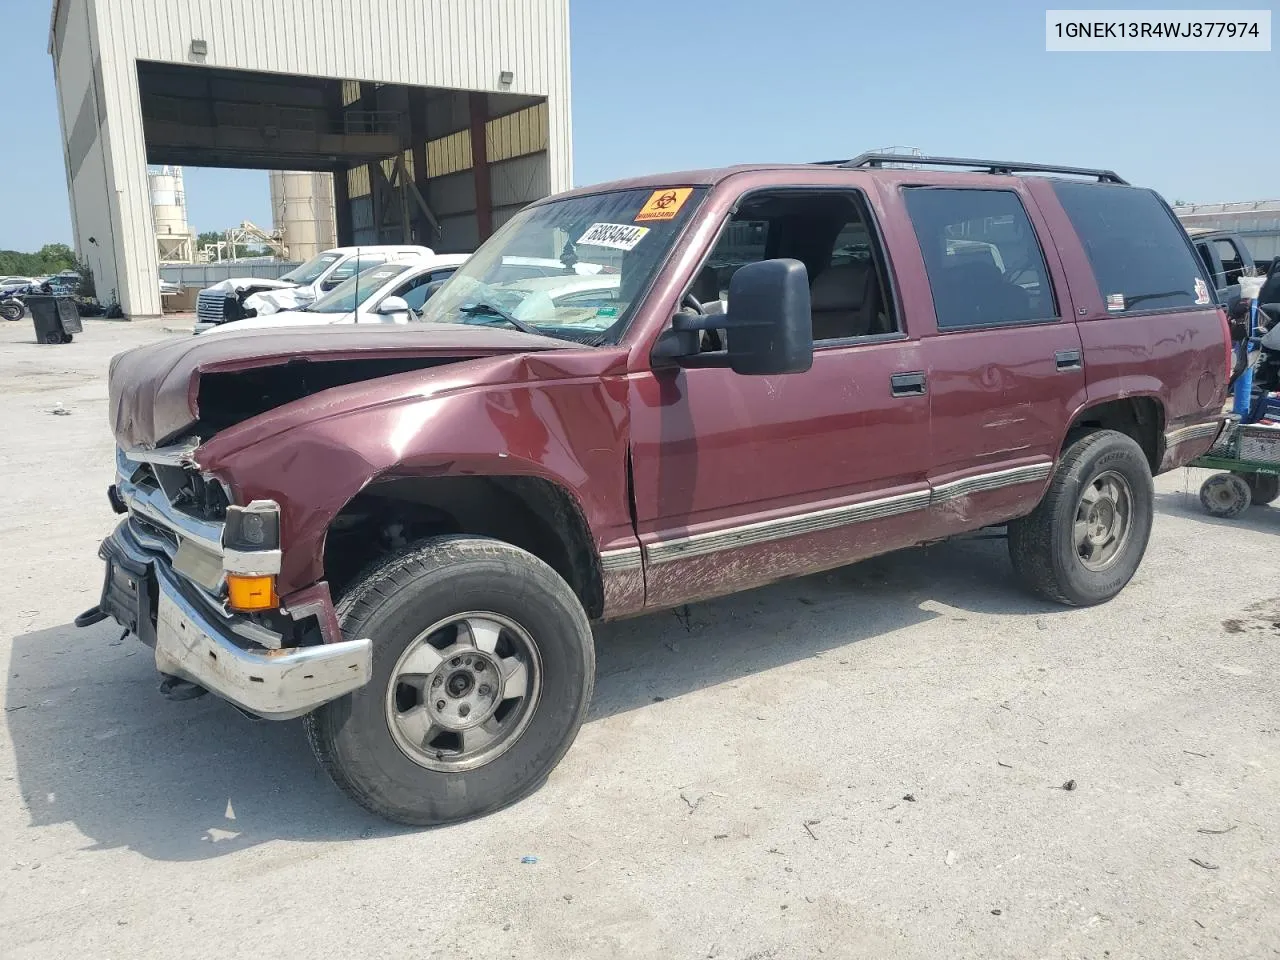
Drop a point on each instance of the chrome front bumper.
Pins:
(198, 643)
(165, 582)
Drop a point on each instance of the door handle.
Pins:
(1067, 359)
(908, 384)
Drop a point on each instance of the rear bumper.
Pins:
(194, 640)
(1185, 444)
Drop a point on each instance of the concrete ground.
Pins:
(866, 763)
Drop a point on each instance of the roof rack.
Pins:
(875, 160)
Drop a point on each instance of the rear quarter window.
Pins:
(1139, 253)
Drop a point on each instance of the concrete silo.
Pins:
(302, 212)
(175, 242)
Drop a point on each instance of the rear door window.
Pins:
(1138, 251)
(982, 256)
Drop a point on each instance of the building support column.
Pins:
(342, 208)
(479, 104)
(426, 233)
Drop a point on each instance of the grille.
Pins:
(211, 308)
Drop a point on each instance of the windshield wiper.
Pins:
(493, 310)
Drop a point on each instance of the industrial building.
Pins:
(434, 121)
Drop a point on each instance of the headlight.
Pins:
(251, 555)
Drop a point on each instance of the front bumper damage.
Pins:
(193, 633)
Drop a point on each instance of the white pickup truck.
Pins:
(390, 292)
(241, 297)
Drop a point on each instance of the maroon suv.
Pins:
(639, 395)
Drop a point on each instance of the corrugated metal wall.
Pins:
(460, 44)
(84, 123)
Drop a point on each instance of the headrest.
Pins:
(842, 287)
(706, 287)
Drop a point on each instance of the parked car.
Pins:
(241, 297)
(391, 292)
(403, 534)
(1226, 256)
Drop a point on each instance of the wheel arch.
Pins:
(1140, 417)
(530, 512)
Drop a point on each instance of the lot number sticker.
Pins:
(664, 204)
(619, 236)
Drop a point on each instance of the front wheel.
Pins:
(483, 664)
(12, 311)
(1086, 537)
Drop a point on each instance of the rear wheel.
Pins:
(1263, 487)
(1086, 537)
(1225, 495)
(483, 664)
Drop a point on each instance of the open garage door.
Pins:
(441, 168)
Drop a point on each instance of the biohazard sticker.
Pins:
(1115, 302)
(664, 204)
(1202, 292)
(619, 236)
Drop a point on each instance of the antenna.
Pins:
(355, 307)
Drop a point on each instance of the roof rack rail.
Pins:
(874, 160)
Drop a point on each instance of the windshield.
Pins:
(571, 268)
(353, 291)
(310, 271)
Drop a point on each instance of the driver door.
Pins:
(743, 480)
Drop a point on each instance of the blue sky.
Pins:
(672, 85)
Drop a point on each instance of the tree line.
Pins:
(50, 259)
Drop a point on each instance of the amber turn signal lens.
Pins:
(251, 593)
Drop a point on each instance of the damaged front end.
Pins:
(216, 564)
(193, 576)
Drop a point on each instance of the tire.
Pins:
(1225, 495)
(358, 738)
(1100, 466)
(1263, 487)
(11, 311)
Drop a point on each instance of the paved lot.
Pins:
(865, 763)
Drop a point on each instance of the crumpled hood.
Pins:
(240, 284)
(278, 300)
(153, 390)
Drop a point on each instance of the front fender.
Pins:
(572, 433)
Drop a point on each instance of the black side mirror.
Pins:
(769, 324)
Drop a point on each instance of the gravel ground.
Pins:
(864, 763)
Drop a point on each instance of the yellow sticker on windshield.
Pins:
(664, 204)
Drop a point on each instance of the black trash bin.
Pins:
(56, 318)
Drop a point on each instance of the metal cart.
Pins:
(1249, 457)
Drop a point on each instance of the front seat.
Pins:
(840, 301)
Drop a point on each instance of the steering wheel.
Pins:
(710, 340)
